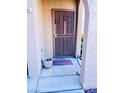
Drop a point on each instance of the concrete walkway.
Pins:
(57, 79)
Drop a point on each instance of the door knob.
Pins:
(55, 30)
(55, 34)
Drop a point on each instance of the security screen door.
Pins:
(64, 33)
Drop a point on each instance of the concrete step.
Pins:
(72, 91)
(55, 84)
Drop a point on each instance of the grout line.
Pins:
(37, 83)
(60, 90)
(58, 76)
(68, 90)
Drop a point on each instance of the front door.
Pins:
(64, 33)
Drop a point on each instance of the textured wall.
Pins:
(33, 45)
(89, 71)
(80, 26)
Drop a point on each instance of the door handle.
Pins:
(55, 34)
(64, 27)
(55, 30)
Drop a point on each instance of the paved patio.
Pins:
(57, 79)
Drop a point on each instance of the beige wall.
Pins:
(47, 5)
(34, 40)
(89, 60)
(39, 26)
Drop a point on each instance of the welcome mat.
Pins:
(62, 62)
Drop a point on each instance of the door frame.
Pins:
(53, 27)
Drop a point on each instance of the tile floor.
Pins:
(57, 79)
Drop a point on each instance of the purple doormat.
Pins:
(62, 62)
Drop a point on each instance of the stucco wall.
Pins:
(47, 5)
(80, 26)
(89, 69)
(33, 53)
(39, 26)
